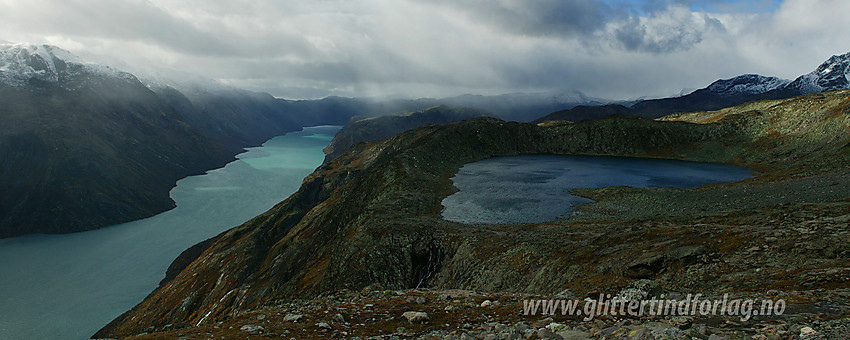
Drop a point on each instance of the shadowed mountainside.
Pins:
(91, 151)
(372, 216)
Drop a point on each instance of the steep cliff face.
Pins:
(372, 215)
(81, 149)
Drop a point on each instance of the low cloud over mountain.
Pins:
(609, 49)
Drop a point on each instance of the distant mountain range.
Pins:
(833, 74)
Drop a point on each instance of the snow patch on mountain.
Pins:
(19, 63)
(748, 84)
(832, 75)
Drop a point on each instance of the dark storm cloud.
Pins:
(543, 17)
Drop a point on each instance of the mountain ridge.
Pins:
(831, 75)
(746, 84)
(21, 62)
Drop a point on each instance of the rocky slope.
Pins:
(372, 216)
(359, 130)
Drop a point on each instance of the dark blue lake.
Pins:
(536, 188)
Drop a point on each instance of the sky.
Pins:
(433, 48)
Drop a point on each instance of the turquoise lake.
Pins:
(69, 286)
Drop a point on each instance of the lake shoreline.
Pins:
(539, 188)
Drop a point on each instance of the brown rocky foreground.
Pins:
(374, 313)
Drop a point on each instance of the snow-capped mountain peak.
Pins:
(21, 62)
(832, 75)
(747, 84)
